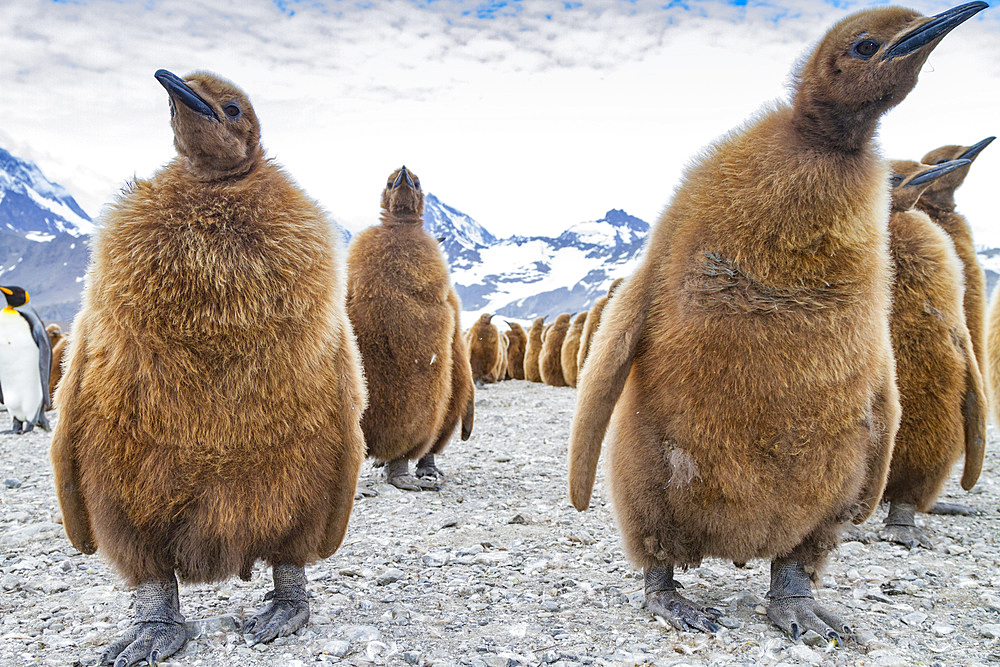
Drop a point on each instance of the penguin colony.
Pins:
(768, 378)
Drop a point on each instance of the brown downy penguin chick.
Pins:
(940, 388)
(399, 299)
(484, 351)
(213, 391)
(571, 348)
(58, 340)
(748, 361)
(938, 201)
(533, 349)
(504, 343)
(593, 321)
(517, 340)
(992, 378)
(550, 359)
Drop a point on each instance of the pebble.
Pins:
(389, 576)
(12, 483)
(914, 618)
(990, 630)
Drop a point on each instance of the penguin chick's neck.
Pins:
(210, 169)
(401, 218)
(939, 201)
(834, 126)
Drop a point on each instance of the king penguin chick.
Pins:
(517, 340)
(748, 361)
(25, 363)
(211, 406)
(404, 311)
(593, 321)
(550, 359)
(533, 349)
(940, 388)
(938, 201)
(484, 351)
(57, 341)
(571, 349)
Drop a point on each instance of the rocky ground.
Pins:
(499, 569)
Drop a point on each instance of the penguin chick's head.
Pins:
(947, 184)
(864, 65)
(16, 296)
(214, 125)
(909, 179)
(402, 194)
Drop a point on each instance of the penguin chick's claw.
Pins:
(900, 527)
(158, 631)
(397, 473)
(953, 509)
(287, 611)
(793, 608)
(663, 600)
(427, 468)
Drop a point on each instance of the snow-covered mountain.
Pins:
(524, 277)
(29, 202)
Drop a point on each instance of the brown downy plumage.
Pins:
(593, 321)
(550, 359)
(748, 360)
(517, 340)
(462, 404)
(533, 349)
(58, 341)
(504, 343)
(212, 396)
(401, 303)
(571, 349)
(485, 352)
(992, 378)
(941, 391)
(938, 202)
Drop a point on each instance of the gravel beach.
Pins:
(498, 569)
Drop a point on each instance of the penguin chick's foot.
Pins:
(288, 610)
(158, 630)
(953, 509)
(427, 468)
(900, 527)
(663, 600)
(397, 473)
(793, 608)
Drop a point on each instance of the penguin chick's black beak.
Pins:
(399, 179)
(179, 90)
(972, 151)
(938, 26)
(935, 172)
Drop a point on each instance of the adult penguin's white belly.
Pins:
(19, 379)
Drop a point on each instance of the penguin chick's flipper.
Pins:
(397, 473)
(953, 509)
(901, 528)
(974, 414)
(288, 609)
(793, 608)
(427, 468)
(158, 630)
(603, 379)
(885, 411)
(663, 600)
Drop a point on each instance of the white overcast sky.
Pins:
(529, 116)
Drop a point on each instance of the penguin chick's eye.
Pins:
(895, 180)
(416, 184)
(864, 49)
(232, 111)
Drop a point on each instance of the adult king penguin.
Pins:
(211, 405)
(748, 360)
(25, 363)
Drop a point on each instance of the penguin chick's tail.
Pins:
(602, 380)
